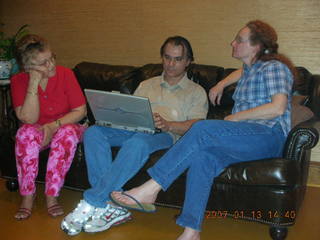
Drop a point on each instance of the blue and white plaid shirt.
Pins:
(258, 84)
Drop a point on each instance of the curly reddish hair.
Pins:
(264, 35)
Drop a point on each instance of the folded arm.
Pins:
(74, 116)
(275, 108)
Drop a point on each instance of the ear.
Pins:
(257, 49)
(188, 62)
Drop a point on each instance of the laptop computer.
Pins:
(122, 111)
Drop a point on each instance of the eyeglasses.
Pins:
(46, 62)
(238, 39)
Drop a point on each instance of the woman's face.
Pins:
(242, 48)
(44, 62)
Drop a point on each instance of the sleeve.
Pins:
(18, 87)
(278, 78)
(141, 90)
(198, 105)
(73, 89)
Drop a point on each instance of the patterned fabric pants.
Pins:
(62, 149)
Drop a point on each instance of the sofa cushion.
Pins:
(276, 171)
(299, 112)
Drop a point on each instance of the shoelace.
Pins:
(79, 212)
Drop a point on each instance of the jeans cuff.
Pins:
(183, 223)
(152, 173)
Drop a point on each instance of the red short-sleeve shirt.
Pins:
(62, 94)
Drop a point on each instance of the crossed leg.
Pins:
(147, 194)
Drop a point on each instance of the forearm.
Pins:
(29, 112)
(266, 111)
(231, 78)
(270, 110)
(181, 127)
(74, 116)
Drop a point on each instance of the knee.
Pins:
(70, 131)
(26, 128)
(92, 133)
(70, 128)
(137, 144)
(28, 132)
(198, 127)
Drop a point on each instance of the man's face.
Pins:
(174, 61)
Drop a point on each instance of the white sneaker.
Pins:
(72, 224)
(104, 218)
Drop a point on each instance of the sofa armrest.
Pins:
(302, 137)
(277, 171)
(314, 101)
(274, 171)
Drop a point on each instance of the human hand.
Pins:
(161, 123)
(231, 117)
(48, 131)
(215, 94)
(36, 73)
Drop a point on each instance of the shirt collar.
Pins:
(254, 66)
(182, 83)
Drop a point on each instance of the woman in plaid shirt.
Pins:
(256, 129)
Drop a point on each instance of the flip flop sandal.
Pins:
(55, 210)
(142, 207)
(24, 213)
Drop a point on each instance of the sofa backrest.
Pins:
(127, 78)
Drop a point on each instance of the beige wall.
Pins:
(131, 31)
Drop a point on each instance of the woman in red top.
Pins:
(49, 102)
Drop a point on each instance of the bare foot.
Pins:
(145, 193)
(189, 234)
(54, 208)
(25, 208)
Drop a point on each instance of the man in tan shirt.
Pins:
(176, 101)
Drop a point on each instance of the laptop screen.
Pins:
(121, 111)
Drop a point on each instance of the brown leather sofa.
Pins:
(269, 191)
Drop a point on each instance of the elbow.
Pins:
(279, 111)
(27, 120)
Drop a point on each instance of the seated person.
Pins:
(49, 102)
(256, 129)
(176, 101)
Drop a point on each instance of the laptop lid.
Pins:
(122, 111)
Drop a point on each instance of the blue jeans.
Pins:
(205, 150)
(107, 175)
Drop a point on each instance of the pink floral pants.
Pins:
(62, 149)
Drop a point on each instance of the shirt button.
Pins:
(50, 108)
(45, 96)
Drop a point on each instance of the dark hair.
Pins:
(28, 46)
(264, 35)
(179, 41)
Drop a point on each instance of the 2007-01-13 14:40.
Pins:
(257, 214)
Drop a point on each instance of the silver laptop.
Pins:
(122, 111)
